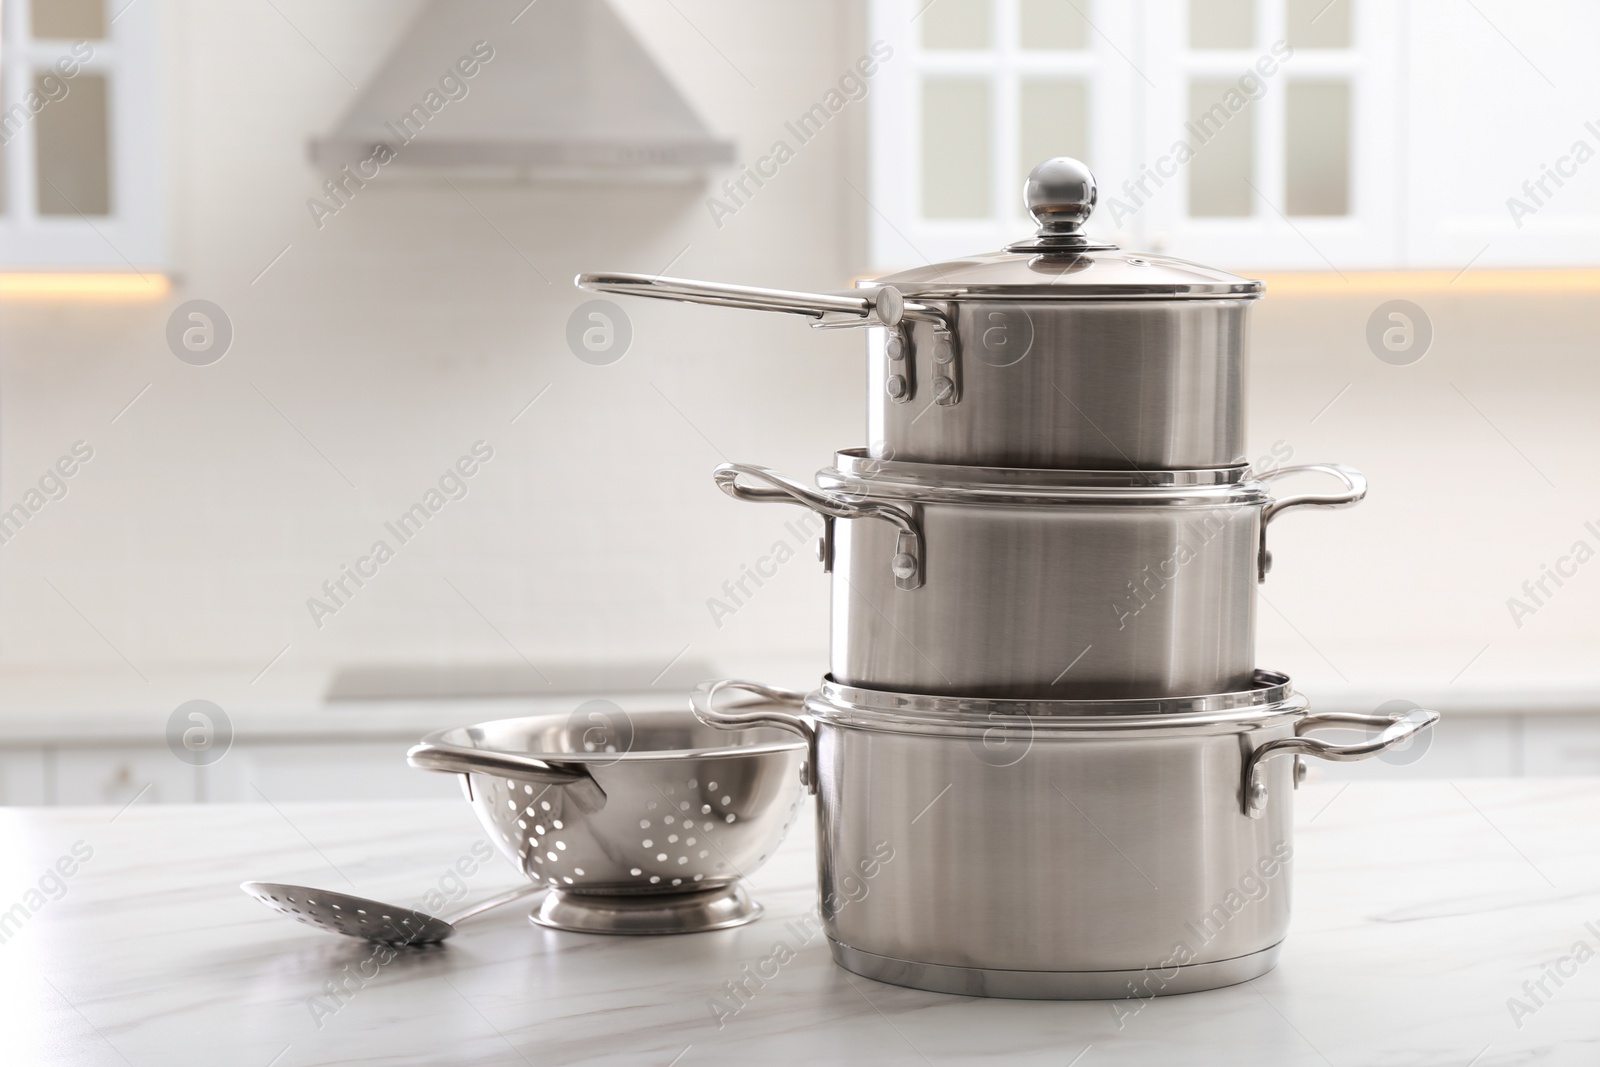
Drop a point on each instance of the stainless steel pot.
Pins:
(1040, 584)
(1055, 849)
(1058, 352)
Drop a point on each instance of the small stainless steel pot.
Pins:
(1055, 849)
(1058, 352)
(1040, 584)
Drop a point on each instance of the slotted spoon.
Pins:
(371, 920)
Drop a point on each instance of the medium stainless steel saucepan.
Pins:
(1055, 353)
(1055, 849)
(992, 582)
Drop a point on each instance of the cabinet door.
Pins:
(22, 776)
(117, 775)
(346, 770)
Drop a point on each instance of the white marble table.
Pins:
(1420, 908)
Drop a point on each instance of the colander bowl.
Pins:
(638, 822)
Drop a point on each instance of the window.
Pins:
(80, 150)
(1252, 132)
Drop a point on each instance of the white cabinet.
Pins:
(117, 775)
(22, 778)
(343, 770)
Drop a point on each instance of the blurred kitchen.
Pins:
(239, 345)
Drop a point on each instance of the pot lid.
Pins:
(1061, 262)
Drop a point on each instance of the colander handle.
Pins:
(456, 759)
(704, 701)
(1396, 728)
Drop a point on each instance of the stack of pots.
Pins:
(1046, 763)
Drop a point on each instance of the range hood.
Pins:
(507, 85)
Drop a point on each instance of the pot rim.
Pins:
(856, 471)
(1270, 699)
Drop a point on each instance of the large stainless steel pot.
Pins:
(1040, 584)
(1056, 849)
(1058, 352)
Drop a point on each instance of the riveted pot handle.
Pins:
(704, 700)
(1355, 487)
(1396, 729)
(882, 306)
(906, 565)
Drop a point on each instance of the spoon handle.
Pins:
(493, 902)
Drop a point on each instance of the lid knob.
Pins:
(1060, 194)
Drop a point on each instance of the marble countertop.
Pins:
(1421, 909)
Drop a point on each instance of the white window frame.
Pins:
(899, 235)
(1138, 67)
(133, 235)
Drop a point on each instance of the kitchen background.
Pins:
(1438, 152)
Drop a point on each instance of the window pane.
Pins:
(1318, 147)
(1222, 23)
(955, 24)
(74, 147)
(1052, 24)
(955, 148)
(1224, 150)
(71, 20)
(1319, 23)
(1054, 122)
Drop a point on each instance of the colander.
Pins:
(639, 822)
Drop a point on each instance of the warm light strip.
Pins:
(1401, 282)
(98, 285)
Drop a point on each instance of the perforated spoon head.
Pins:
(340, 913)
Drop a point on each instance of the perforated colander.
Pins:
(643, 823)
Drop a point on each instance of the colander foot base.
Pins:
(1127, 985)
(647, 913)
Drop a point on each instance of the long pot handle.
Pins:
(1355, 488)
(882, 306)
(704, 700)
(906, 566)
(1396, 728)
(432, 755)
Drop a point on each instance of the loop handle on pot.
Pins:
(1355, 487)
(434, 755)
(907, 562)
(704, 699)
(1396, 728)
